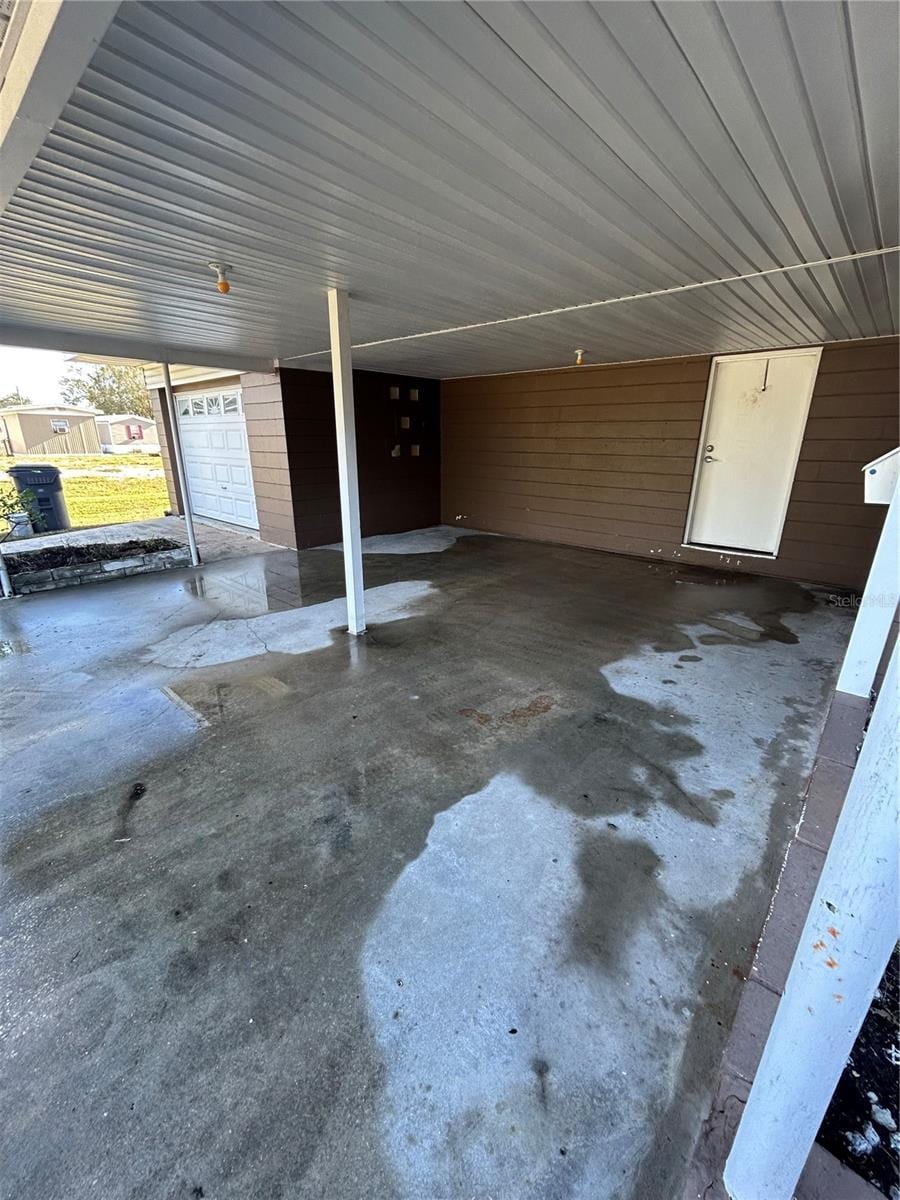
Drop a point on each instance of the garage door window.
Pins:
(211, 404)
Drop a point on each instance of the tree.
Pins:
(14, 400)
(108, 387)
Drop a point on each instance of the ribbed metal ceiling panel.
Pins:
(455, 163)
(654, 328)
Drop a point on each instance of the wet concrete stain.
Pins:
(126, 808)
(233, 1001)
(785, 758)
(541, 1068)
(619, 880)
(637, 772)
(769, 629)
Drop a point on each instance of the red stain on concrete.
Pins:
(516, 716)
(480, 717)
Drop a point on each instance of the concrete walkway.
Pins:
(458, 909)
(215, 541)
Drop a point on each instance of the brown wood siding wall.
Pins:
(395, 494)
(603, 457)
(263, 412)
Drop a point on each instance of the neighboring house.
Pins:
(54, 429)
(121, 433)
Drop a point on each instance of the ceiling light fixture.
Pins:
(221, 270)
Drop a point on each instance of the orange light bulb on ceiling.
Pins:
(221, 270)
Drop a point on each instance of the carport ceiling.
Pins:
(452, 164)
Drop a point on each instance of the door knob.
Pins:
(709, 458)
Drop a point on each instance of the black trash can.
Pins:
(48, 508)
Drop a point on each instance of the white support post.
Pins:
(345, 421)
(849, 935)
(876, 612)
(5, 582)
(178, 464)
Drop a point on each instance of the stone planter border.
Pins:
(25, 582)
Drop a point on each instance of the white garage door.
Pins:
(216, 456)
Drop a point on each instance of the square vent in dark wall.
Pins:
(398, 430)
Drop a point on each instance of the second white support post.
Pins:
(345, 421)
(178, 463)
(876, 612)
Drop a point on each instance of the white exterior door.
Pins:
(756, 409)
(216, 456)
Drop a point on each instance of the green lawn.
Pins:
(104, 489)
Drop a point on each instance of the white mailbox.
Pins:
(881, 477)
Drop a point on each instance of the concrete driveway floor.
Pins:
(459, 909)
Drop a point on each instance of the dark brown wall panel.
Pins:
(604, 457)
(395, 493)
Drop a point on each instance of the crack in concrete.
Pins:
(262, 641)
(195, 631)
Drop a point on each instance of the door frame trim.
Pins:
(701, 442)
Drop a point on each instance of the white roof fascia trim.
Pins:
(11, 37)
(57, 40)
